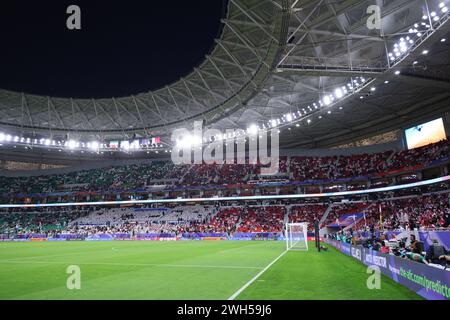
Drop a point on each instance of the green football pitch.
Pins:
(194, 270)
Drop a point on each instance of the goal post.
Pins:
(297, 236)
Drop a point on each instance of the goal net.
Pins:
(297, 236)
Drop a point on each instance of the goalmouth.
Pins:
(297, 236)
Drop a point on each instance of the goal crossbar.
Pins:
(297, 236)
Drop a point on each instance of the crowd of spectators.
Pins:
(418, 156)
(25, 221)
(362, 165)
(262, 219)
(307, 213)
(129, 228)
(422, 212)
(245, 219)
(296, 168)
(398, 211)
(408, 247)
(129, 177)
(430, 212)
(345, 208)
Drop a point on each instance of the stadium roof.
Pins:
(274, 58)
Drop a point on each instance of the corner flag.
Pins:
(381, 216)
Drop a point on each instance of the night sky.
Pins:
(124, 47)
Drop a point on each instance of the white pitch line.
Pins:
(245, 286)
(129, 264)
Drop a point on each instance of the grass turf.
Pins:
(198, 270)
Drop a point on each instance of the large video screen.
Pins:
(425, 134)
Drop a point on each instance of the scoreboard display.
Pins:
(425, 134)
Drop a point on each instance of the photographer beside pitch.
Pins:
(437, 254)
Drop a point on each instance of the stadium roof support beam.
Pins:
(147, 107)
(302, 24)
(304, 85)
(235, 60)
(177, 106)
(139, 112)
(75, 104)
(350, 36)
(52, 106)
(307, 31)
(118, 114)
(127, 111)
(27, 108)
(382, 75)
(254, 21)
(322, 19)
(330, 71)
(246, 42)
(157, 108)
(256, 51)
(191, 96)
(206, 87)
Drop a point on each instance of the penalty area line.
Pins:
(245, 286)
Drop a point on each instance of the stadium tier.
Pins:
(339, 173)
(426, 212)
(423, 207)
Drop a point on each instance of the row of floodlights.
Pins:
(404, 44)
(73, 144)
(253, 129)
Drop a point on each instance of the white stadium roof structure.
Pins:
(312, 67)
